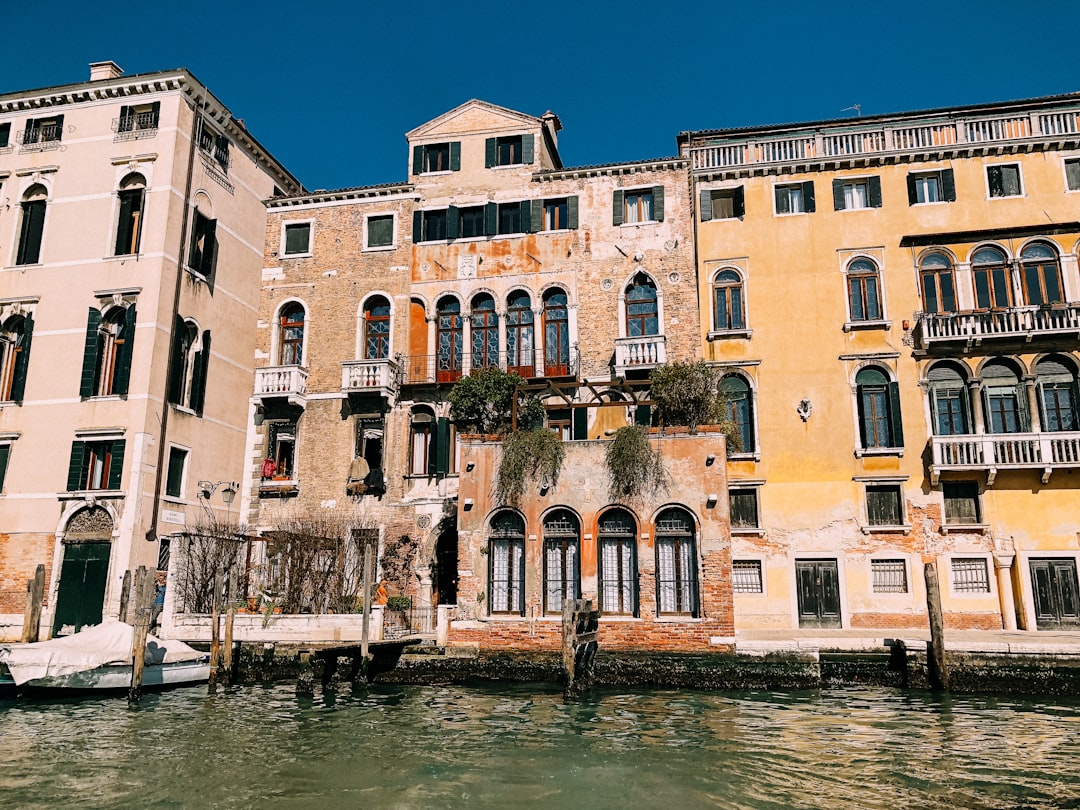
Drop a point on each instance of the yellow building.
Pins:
(892, 298)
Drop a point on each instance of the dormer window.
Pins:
(510, 150)
(437, 157)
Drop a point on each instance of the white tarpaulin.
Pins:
(102, 645)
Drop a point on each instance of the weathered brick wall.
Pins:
(20, 555)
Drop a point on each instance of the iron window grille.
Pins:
(889, 576)
(970, 575)
(746, 576)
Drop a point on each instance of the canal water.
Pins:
(522, 747)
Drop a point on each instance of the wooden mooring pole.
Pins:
(125, 595)
(230, 617)
(579, 630)
(937, 665)
(366, 627)
(144, 605)
(215, 621)
(35, 594)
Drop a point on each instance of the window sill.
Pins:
(755, 456)
(677, 619)
(379, 248)
(87, 494)
(901, 529)
(852, 326)
(934, 202)
(864, 452)
(183, 409)
(270, 489)
(638, 224)
(502, 166)
(121, 257)
(1006, 197)
(793, 214)
(296, 255)
(960, 528)
(24, 266)
(435, 174)
(862, 208)
(104, 397)
(557, 231)
(497, 236)
(720, 334)
(748, 531)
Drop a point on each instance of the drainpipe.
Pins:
(151, 533)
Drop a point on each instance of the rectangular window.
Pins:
(5, 134)
(174, 479)
(744, 508)
(129, 224)
(555, 214)
(508, 151)
(202, 256)
(215, 147)
(437, 157)
(138, 118)
(471, 221)
(857, 193)
(961, 502)
(970, 575)
(432, 225)
(889, 576)
(43, 130)
(746, 576)
(380, 231)
(884, 506)
(31, 230)
(795, 198)
(510, 220)
(280, 464)
(96, 465)
(931, 187)
(1072, 171)
(1004, 181)
(722, 203)
(297, 238)
(5, 455)
(366, 471)
(638, 206)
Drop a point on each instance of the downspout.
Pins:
(151, 533)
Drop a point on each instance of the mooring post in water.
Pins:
(580, 626)
(35, 593)
(125, 595)
(215, 619)
(143, 607)
(938, 666)
(366, 627)
(230, 617)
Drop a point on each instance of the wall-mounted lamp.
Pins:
(710, 460)
(468, 504)
(710, 500)
(470, 466)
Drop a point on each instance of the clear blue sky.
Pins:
(331, 87)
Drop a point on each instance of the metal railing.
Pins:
(430, 368)
(136, 125)
(639, 352)
(281, 380)
(917, 135)
(1013, 322)
(45, 136)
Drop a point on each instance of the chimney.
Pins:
(101, 71)
(553, 125)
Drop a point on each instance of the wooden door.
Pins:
(818, 583)
(82, 586)
(1056, 593)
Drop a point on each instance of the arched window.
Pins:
(1041, 273)
(879, 409)
(1004, 399)
(292, 328)
(949, 401)
(562, 559)
(938, 284)
(32, 225)
(1058, 396)
(642, 310)
(421, 436)
(993, 283)
(129, 223)
(376, 328)
(110, 341)
(728, 301)
(448, 336)
(618, 563)
(519, 334)
(740, 410)
(14, 356)
(864, 294)
(485, 332)
(676, 563)
(556, 334)
(506, 563)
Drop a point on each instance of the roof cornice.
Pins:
(360, 193)
(578, 172)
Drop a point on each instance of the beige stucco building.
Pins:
(131, 231)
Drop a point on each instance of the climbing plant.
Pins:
(535, 455)
(483, 402)
(635, 469)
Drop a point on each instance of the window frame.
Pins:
(16, 338)
(969, 587)
(953, 521)
(895, 489)
(869, 396)
(297, 347)
(96, 457)
(292, 224)
(563, 548)
(872, 184)
(687, 585)
(367, 246)
(807, 200)
(707, 208)
(753, 564)
(515, 146)
(731, 288)
(945, 182)
(753, 492)
(878, 319)
(132, 188)
(33, 213)
(742, 415)
(515, 569)
(184, 455)
(1066, 163)
(1000, 167)
(274, 449)
(934, 274)
(878, 566)
(429, 216)
(203, 247)
(382, 339)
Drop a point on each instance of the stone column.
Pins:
(978, 424)
(504, 355)
(1033, 403)
(431, 362)
(1003, 566)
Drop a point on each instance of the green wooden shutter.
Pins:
(127, 120)
(155, 113)
(210, 249)
(948, 185)
(418, 160)
(536, 217)
(525, 208)
(572, 212)
(176, 362)
(490, 153)
(527, 150)
(31, 133)
(453, 222)
(199, 374)
(124, 352)
(442, 446)
(658, 203)
(116, 465)
(864, 413)
(838, 195)
(1072, 174)
(22, 361)
(739, 203)
(580, 430)
(455, 156)
(875, 192)
(124, 225)
(808, 196)
(896, 426)
(75, 466)
(783, 202)
(643, 415)
(912, 190)
(994, 180)
(5, 452)
(491, 219)
(59, 127)
(418, 226)
(33, 224)
(617, 207)
(705, 205)
(88, 381)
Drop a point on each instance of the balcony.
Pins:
(1016, 324)
(378, 377)
(1004, 451)
(634, 353)
(287, 382)
(134, 126)
(429, 368)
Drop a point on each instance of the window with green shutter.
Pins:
(32, 226)
(129, 222)
(5, 454)
(1004, 180)
(722, 203)
(5, 134)
(1072, 174)
(202, 253)
(437, 157)
(380, 231)
(297, 239)
(174, 478)
(15, 337)
(961, 502)
(96, 465)
(510, 150)
(744, 507)
(884, 505)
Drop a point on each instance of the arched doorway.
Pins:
(446, 567)
(84, 571)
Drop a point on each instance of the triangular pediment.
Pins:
(471, 118)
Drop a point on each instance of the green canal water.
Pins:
(522, 747)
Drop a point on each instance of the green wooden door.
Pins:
(82, 586)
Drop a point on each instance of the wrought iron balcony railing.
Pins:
(1046, 451)
(1013, 323)
(639, 353)
(136, 125)
(40, 138)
